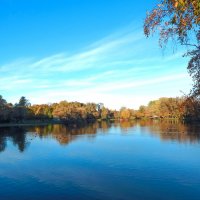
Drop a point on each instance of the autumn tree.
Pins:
(179, 20)
(141, 113)
(42, 111)
(104, 113)
(92, 111)
(191, 106)
(116, 114)
(125, 113)
(169, 108)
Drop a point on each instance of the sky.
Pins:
(86, 51)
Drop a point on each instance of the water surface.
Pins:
(128, 160)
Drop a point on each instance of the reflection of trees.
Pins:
(16, 134)
(64, 134)
(19, 138)
(125, 125)
(172, 130)
(2, 143)
(166, 130)
(104, 126)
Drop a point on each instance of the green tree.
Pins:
(4, 110)
(23, 102)
(21, 110)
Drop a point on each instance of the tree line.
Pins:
(184, 108)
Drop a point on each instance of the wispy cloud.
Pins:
(106, 70)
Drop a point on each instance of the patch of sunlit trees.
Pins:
(184, 108)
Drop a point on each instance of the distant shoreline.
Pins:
(75, 124)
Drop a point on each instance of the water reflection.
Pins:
(165, 130)
(16, 134)
(172, 130)
(62, 133)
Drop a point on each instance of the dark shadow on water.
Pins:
(16, 134)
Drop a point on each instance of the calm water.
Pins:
(130, 160)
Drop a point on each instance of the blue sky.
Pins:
(85, 50)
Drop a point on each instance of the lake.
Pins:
(128, 161)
